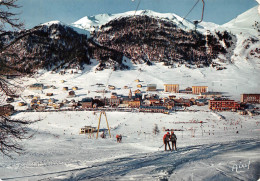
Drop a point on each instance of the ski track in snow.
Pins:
(157, 165)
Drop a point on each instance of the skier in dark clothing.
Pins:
(119, 138)
(173, 139)
(166, 139)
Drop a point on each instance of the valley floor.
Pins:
(225, 147)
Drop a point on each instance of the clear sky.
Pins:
(34, 12)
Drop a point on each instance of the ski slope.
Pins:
(205, 151)
(58, 152)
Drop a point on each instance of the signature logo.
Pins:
(241, 167)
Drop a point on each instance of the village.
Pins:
(144, 98)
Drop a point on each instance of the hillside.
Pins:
(47, 46)
(148, 39)
(247, 22)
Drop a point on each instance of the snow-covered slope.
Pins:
(78, 30)
(90, 22)
(210, 151)
(247, 22)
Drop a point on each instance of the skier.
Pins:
(173, 139)
(166, 139)
(119, 138)
(103, 135)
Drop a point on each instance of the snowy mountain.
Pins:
(48, 46)
(90, 22)
(246, 28)
(247, 23)
(150, 39)
(211, 145)
(78, 30)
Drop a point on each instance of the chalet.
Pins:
(57, 105)
(71, 94)
(169, 104)
(151, 87)
(29, 97)
(21, 104)
(182, 102)
(171, 88)
(138, 91)
(36, 86)
(134, 103)
(34, 106)
(242, 112)
(201, 102)
(210, 94)
(62, 72)
(111, 87)
(33, 101)
(250, 98)
(152, 109)
(188, 90)
(65, 101)
(172, 97)
(87, 129)
(75, 88)
(49, 94)
(139, 86)
(51, 100)
(41, 108)
(36, 98)
(10, 100)
(199, 89)
(87, 103)
(153, 102)
(62, 81)
(138, 96)
(6, 110)
(114, 95)
(126, 87)
(137, 80)
(223, 105)
(65, 88)
(114, 101)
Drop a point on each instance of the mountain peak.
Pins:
(247, 22)
(90, 22)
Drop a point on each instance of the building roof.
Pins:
(211, 93)
(151, 85)
(87, 99)
(152, 107)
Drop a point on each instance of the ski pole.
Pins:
(160, 147)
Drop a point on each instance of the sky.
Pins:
(34, 12)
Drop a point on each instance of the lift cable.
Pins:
(190, 10)
(137, 6)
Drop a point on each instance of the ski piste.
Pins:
(162, 165)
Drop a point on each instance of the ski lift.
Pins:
(196, 22)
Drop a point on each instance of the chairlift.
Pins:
(196, 22)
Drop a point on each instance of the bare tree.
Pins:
(12, 131)
(7, 17)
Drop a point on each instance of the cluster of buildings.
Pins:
(138, 99)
